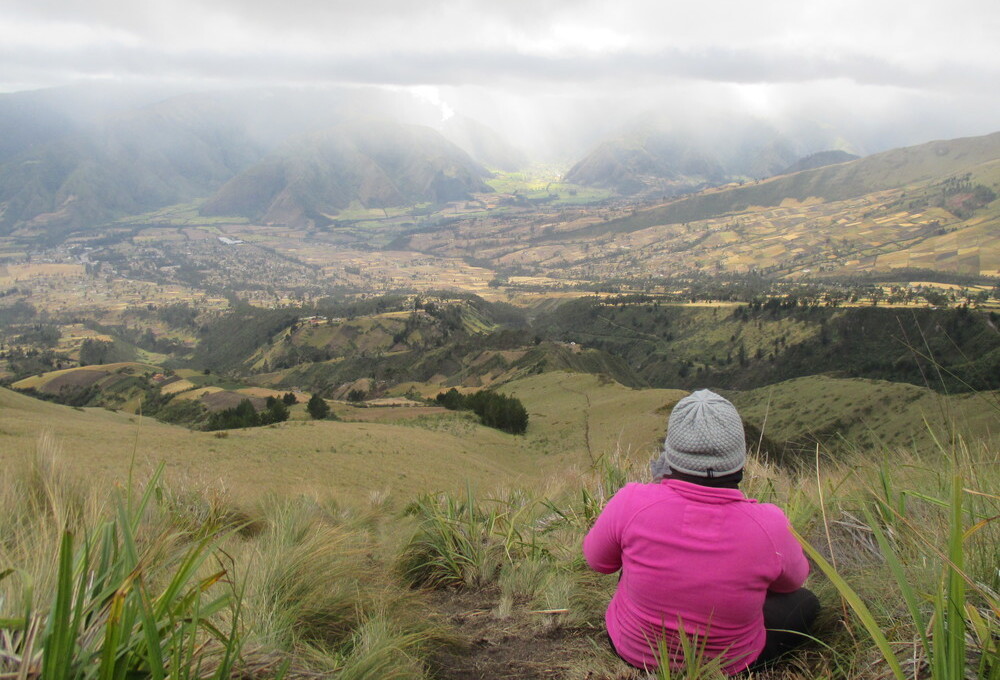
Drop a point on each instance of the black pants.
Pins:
(788, 618)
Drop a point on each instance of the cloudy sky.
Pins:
(933, 66)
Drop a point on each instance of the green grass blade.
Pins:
(899, 574)
(857, 604)
(956, 583)
(60, 639)
(152, 634)
(112, 636)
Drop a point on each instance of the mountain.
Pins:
(75, 158)
(376, 164)
(483, 143)
(166, 153)
(820, 159)
(670, 157)
(35, 117)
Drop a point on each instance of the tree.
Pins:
(494, 410)
(276, 412)
(94, 352)
(451, 399)
(289, 398)
(317, 407)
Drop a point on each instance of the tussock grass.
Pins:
(155, 582)
(100, 582)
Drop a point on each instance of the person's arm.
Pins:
(602, 544)
(794, 566)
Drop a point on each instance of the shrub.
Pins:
(494, 409)
(317, 407)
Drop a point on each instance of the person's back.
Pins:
(696, 554)
(696, 557)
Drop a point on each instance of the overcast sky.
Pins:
(934, 64)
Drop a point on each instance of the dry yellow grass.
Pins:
(574, 417)
(346, 460)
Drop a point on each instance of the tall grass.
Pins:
(149, 582)
(938, 546)
(118, 606)
(465, 541)
(161, 581)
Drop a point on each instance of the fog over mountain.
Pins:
(555, 78)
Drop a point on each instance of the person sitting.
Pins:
(697, 556)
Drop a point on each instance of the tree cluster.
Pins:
(494, 410)
(245, 415)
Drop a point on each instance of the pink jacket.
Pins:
(693, 554)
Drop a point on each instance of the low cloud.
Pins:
(538, 66)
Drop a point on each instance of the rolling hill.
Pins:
(573, 417)
(864, 414)
(928, 208)
(887, 170)
(293, 458)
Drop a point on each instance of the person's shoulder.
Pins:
(630, 489)
(637, 490)
(768, 514)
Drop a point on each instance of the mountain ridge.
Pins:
(886, 170)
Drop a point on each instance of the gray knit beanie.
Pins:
(704, 438)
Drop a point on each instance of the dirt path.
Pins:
(521, 646)
(586, 420)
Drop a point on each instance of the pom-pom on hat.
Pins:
(704, 438)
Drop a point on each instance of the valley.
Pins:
(382, 373)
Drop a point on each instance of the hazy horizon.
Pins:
(553, 77)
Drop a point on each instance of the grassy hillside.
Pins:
(348, 460)
(483, 581)
(887, 170)
(743, 347)
(572, 417)
(871, 415)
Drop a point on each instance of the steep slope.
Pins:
(161, 154)
(661, 156)
(936, 160)
(32, 118)
(77, 157)
(484, 144)
(376, 164)
(820, 159)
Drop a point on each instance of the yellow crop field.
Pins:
(177, 387)
(21, 272)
